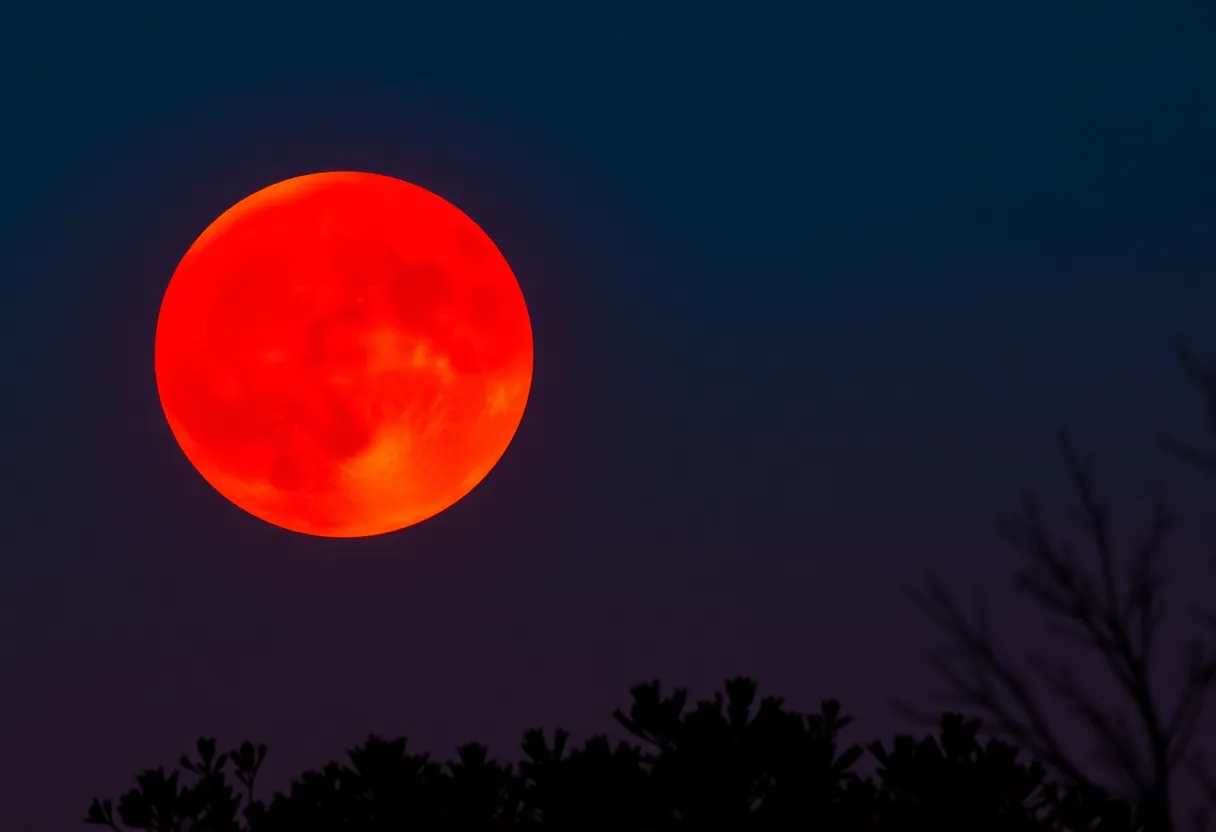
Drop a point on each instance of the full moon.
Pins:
(343, 354)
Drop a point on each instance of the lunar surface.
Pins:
(343, 354)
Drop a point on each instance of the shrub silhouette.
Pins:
(595, 787)
(953, 781)
(726, 763)
(722, 762)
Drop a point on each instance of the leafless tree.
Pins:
(1204, 378)
(1110, 603)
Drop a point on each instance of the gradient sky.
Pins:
(812, 289)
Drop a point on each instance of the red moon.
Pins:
(343, 354)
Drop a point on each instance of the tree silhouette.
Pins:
(1113, 608)
(1204, 379)
(724, 763)
(594, 788)
(163, 803)
(923, 783)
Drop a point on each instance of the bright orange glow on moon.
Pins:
(343, 354)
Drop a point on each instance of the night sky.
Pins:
(812, 286)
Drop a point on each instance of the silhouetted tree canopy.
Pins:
(727, 763)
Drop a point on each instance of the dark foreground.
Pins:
(729, 763)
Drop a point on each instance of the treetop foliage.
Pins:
(729, 762)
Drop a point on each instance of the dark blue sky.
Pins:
(812, 289)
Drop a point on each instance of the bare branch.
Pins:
(993, 686)
(1109, 730)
